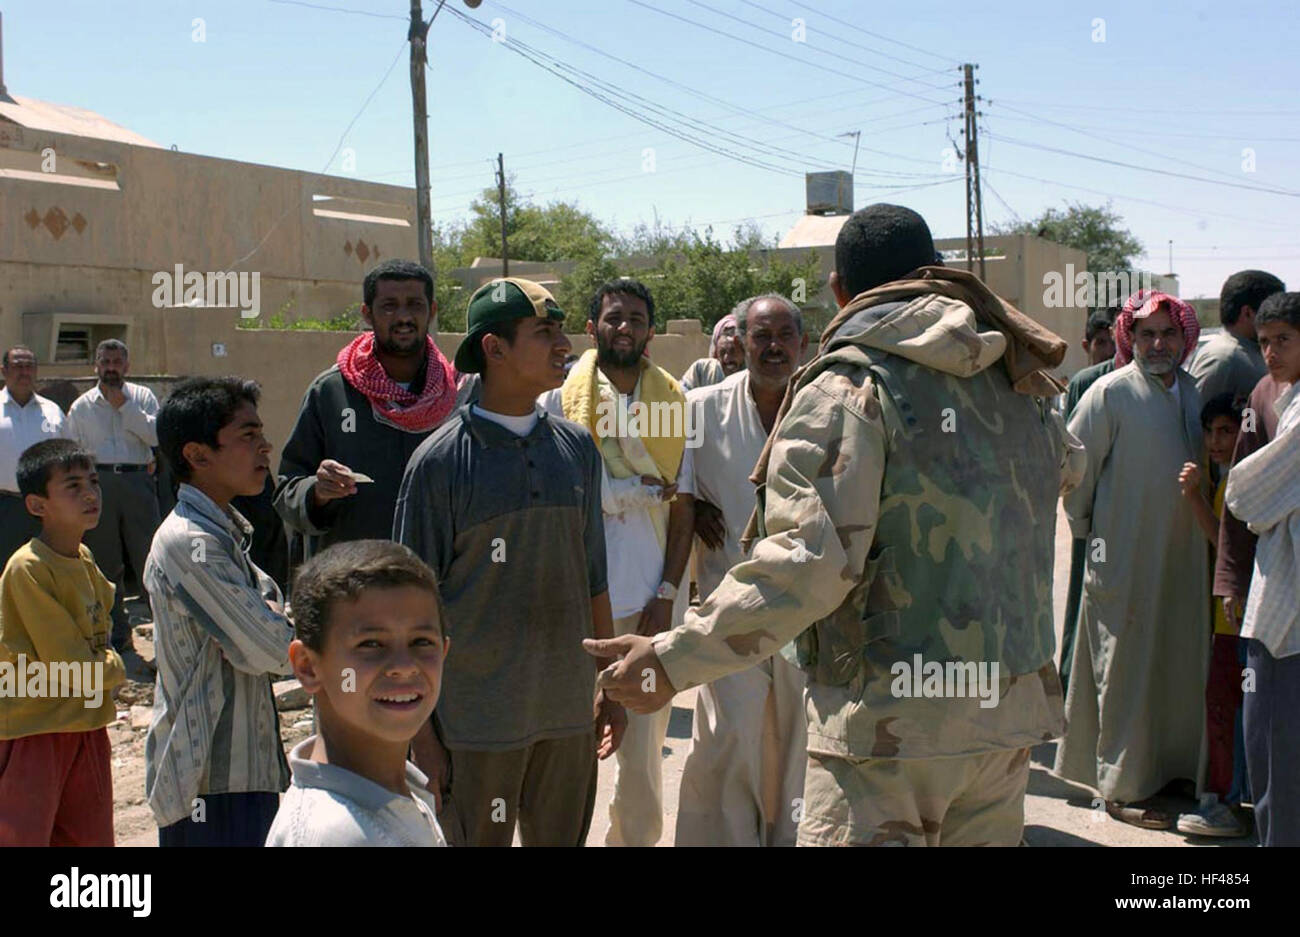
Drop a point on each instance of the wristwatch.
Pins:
(667, 591)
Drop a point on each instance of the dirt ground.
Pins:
(1057, 812)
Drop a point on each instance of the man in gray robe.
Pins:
(1135, 706)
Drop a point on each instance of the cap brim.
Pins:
(467, 359)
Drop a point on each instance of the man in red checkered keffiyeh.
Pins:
(1142, 304)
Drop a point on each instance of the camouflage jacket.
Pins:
(908, 522)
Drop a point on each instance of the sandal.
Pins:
(1146, 818)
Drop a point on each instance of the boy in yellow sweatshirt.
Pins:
(57, 667)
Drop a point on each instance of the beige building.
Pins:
(105, 234)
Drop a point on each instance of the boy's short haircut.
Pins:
(1225, 404)
(196, 411)
(1103, 320)
(1280, 307)
(344, 571)
(37, 464)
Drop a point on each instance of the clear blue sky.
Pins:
(1180, 87)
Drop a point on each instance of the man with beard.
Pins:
(648, 511)
(748, 751)
(1135, 704)
(388, 390)
(116, 421)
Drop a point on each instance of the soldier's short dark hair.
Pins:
(621, 285)
(344, 571)
(881, 243)
(1246, 288)
(37, 463)
(396, 270)
(195, 411)
(1280, 307)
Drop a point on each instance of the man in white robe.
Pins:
(743, 779)
(1135, 706)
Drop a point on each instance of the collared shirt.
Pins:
(23, 426)
(116, 435)
(331, 806)
(1264, 491)
(512, 528)
(215, 729)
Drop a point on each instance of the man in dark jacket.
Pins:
(361, 419)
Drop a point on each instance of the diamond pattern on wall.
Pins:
(33, 218)
(362, 251)
(347, 248)
(79, 223)
(56, 222)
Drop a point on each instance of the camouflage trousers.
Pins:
(976, 800)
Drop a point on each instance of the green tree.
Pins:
(1097, 231)
(696, 276)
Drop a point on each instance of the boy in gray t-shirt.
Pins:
(503, 502)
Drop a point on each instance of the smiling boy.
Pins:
(369, 647)
(214, 765)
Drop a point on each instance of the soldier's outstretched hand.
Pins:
(636, 679)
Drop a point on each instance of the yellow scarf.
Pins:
(582, 396)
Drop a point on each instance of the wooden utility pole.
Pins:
(424, 223)
(501, 199)
(974, 199)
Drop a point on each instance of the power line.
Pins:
(1234, 112)
(952, 62)
(1196, 213)
(339, 146)
(1128, 145)
(1161, 132)
(1160, 172)
(784, 38)
(772, 51)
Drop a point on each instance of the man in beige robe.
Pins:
(1135, 706)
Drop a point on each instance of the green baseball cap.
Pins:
(501, 300)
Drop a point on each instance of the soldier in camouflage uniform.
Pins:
(907, 516)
